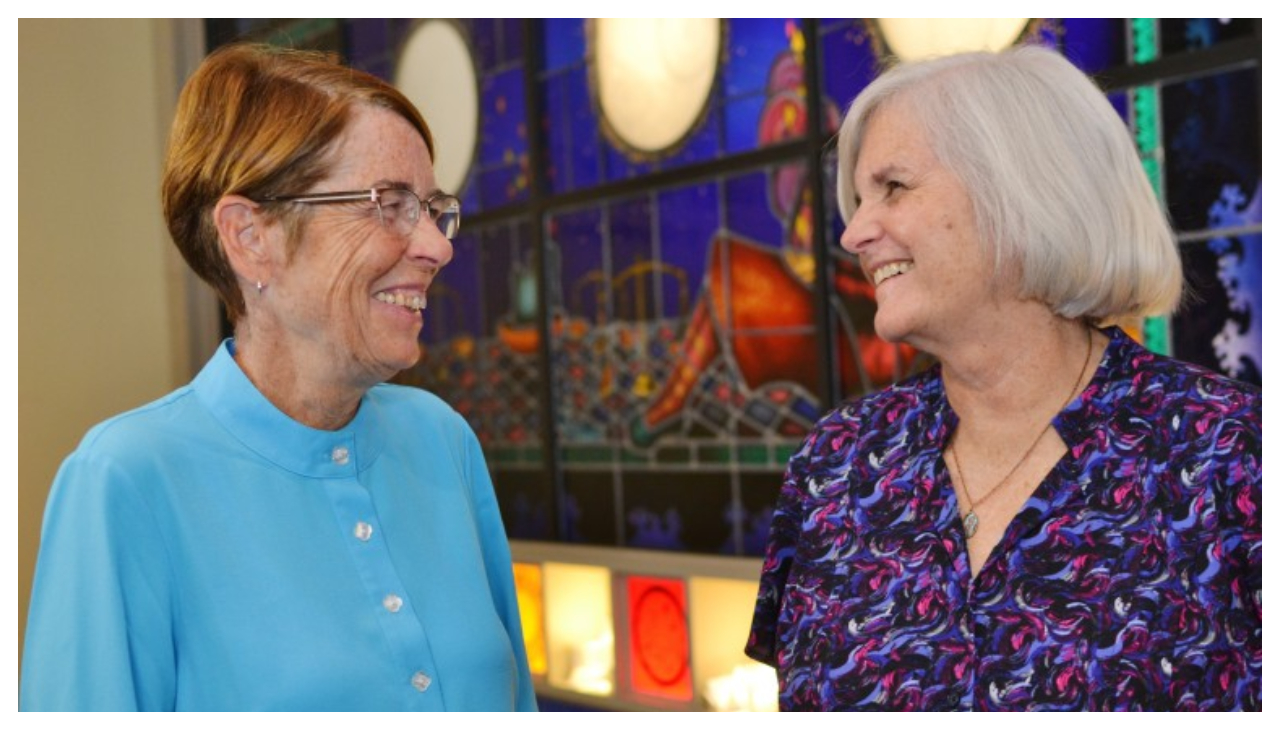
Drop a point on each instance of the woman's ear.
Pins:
(243, 237)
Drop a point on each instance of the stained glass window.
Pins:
(659, 637)
(682, 290)
(848, 60)
(1213, 146)
(1194, 34)
(1092, 44)
(1221, 325)
(763, 57)
(1213, 142)
(480, 354)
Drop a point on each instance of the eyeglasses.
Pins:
(398, 209)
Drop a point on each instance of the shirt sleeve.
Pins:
(497, 559)
(99, 632)
(779, 556)
(1237, 461)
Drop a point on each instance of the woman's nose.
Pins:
(860, 232)
(428, 247)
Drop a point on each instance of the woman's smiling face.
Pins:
(915, 234)
(352, 290)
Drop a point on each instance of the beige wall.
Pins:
(102, 299)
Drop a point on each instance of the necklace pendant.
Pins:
(971, 524)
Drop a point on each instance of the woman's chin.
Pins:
(401, 363)
(890, 330)
(383, 364)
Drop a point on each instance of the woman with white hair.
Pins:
(1053, 517)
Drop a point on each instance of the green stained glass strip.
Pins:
(782, 454)
(1152, 168)
(588, 454)
(715, 454)
(674, 455)
(1144, 48)
(753, 455)
(1145, 117)
(1145, 45)
(1155, 335)
(505, 456)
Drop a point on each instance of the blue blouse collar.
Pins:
(253, 420)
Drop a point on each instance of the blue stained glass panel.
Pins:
(703, 144)
(764, 83)
(584, 133)
(631, 246)
(848, 63)
(575, 236)
(496, 186)
(504, 143)
(559, 172)
(688, 218)
(511, 49)
(499, 269)
(484, 39)
(502, 118)
(742, 123)
(753, 44)
(453, 301)
(469, 196)
(748, 210)
(367, 46)
(1120, 102)
(620, 167)
(1212, 142)
(564, 42)
(1094, 44)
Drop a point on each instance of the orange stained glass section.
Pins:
(529, 595)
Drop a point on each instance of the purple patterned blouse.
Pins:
(1131, 579)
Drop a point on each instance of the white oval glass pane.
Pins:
(911, 39)
(438, 75)
(653, 76)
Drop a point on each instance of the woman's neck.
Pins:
(300, 384)
(1017, 373)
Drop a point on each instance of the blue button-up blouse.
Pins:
(207, 552)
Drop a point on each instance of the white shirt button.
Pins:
(341, 456)
(392, 603)
(420, 681)
(363, 531)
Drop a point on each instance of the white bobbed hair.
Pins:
(1057, 187)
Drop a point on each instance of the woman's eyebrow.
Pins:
(884, 173)
(393, 184)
